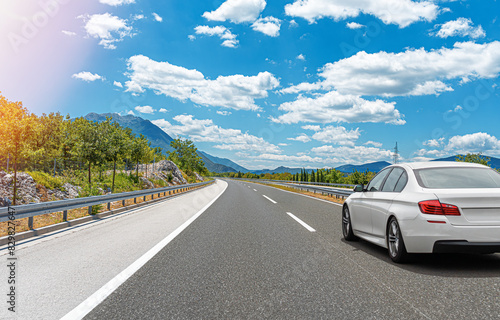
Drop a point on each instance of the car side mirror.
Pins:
(359, 188)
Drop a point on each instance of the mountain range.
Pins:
(160, 138)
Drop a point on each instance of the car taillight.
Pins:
(436, 207)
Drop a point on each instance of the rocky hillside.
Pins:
(29, 191)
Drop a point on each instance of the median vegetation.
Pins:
(318, 175)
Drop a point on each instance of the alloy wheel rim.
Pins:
(393, 238)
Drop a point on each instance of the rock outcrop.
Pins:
(28, 191)
(163, 170)
(26, 187)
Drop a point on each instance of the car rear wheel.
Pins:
(395, 243)
(347, 226)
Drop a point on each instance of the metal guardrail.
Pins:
(337, 192)
(35, 209)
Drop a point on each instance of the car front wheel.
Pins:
(346, 225)
(395, 243)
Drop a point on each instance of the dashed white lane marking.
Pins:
(305, 225)
(269, 198)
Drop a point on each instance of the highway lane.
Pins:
(56, 272)
(247, 257)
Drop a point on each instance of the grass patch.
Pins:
(45, 179)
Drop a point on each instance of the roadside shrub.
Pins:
(45, 179)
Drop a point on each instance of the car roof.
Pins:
(442, 164)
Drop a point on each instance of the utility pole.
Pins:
(396, 153)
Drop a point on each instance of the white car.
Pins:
(427, 207)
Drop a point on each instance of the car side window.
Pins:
(376, 182)
(392, 180)
(401, 182)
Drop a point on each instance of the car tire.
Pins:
(347, 225)
(395, 243)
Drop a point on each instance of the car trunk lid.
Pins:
(477, 206)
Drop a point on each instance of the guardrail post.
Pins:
(135, 200)
(144, 199)
(65, 215)
(90, 210)
(30, 223)
(123, 203)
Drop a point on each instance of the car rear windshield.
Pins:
(457, 178)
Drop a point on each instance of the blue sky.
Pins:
(311, 83)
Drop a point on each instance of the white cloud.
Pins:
(479, 142)
(145, 109)
(412, 72)
(338, 135)
(302, 138)
(235, 91)
(354, 25)
(207, 131)
(311, 127)
(283, 144)
(139, 17)
(353, 155)
(283, 157)
(399, 12)
(157, 17)
(224, 113)
(163, 110)
(476, 142)
(461, 27)
(237, 11)
(69, 33)
(373, 143)
(301, 57)
(87, 76)
(434, 142)
(115, 3)
(269, 26)
(118, 84)
(293, 24)
(220, 31)
(335, 107)
(109, 29)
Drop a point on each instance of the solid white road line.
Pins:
(269, 198)
(95, 299)
(301, 222)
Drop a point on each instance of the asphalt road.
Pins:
(56, 272)
(247, 257)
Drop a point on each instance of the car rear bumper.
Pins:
(421, 236)
(464, 246)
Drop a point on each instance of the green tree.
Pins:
(138, 151)
(118, 146)
(474, 158)
(186, 157)
(90, 142)
(15, 133)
